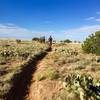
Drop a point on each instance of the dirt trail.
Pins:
(45, 89)
(27, 88)
(23, 81)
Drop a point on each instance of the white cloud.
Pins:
(90, 18)
(81, 33)
(84, 29)
(98, 12)
(93, 18)
(98, 19)
(12, 30)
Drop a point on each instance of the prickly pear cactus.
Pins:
(85, 86)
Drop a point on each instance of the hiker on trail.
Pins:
(50, 41)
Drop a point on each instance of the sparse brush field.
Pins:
(69, 58)
(65, 73)
(70, 71)
(13, 56)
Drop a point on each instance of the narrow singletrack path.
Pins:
(44, 89)
(20, 88)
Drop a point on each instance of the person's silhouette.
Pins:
(50, 40)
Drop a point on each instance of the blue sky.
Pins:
(73, 19)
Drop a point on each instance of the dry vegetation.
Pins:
(13, 57)
(62, 75)
(71, 59)
(66, 61)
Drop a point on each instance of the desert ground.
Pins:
(30, 71)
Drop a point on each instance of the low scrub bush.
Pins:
(67, 41)
(18, 40)
(92, 44)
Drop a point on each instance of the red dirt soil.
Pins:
(44, 89)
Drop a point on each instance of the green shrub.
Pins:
(35, 39)
(41, 39)
(18, 40)
(92, 43)
(67, 41)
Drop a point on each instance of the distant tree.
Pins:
(18, 40)
(54, 41)
(35, 39)
(79, 41)
(61, 41)
(75, 41)
(42, 39)
(67, 41)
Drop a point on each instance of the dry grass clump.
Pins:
(64, 94)
(82, 64)
(13, 59)
(95, 67)
(47, 73)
